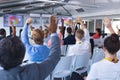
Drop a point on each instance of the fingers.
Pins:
(53, 24)
(107, 22)
(78, 19)
(29, 20)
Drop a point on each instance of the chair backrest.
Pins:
(98, 55)
(63, 49)
(64, 64)
(68, 46)
(81, 61)
(97, 42)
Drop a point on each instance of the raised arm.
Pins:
(24, 33)
(86, 35)
(13, 33)
(49, 64)
(107, 23)
(79, 20)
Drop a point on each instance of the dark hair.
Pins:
(69, 30)
(2, 32)
(12, 52)
(112, 43)
(79, 33)
(99, 31)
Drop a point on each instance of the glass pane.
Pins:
(91, 26)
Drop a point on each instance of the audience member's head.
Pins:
(40, 27)
(79, 34)
(69, 30)
(2, 32)
(12, 52)
(20, 32)
(112, 44)
(38, 36)
(98, 30)
(46, 32)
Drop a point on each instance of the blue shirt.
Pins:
(37, 53)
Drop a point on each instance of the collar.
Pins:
(78, 42)
(115, 60)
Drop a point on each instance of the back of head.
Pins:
(69, 30)
(112, 43)
(12, 52)
(79, 34)
(2, 32)
(99, 31)
(46, 32)
(38, 36)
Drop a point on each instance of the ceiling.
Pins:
(61, 7)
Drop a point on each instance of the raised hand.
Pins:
(29, 20)
(53, 24)
(117, 27)
(78, 20)
(107, 22)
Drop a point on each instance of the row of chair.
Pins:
(69, 64)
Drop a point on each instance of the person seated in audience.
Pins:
(46, 36)
(108, 68)
(82, 41)
(108, 25)
(12, 52)
(70, 39)
(12, 30)
(60, 34)
(37, 52)
(111, 61)
(82, 45)
(97, 34)
(2, 33)
(20, 33)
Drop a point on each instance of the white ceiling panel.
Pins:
(63, 7)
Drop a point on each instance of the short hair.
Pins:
(2, 31)
(69, 30)
(112, 43)
(99, 31)
(46, 32)
(38, 36)
(12, 52)
(79, 33)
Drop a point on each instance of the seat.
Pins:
(63, 68)
(98, 55)
(63, 50)
(81, 62)
(68, 46)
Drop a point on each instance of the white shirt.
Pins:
(104, 70)
(118, 54)
(77, 49)
(83, 47)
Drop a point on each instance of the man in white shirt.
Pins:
(82, 41)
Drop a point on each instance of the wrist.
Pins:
(27, 23)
